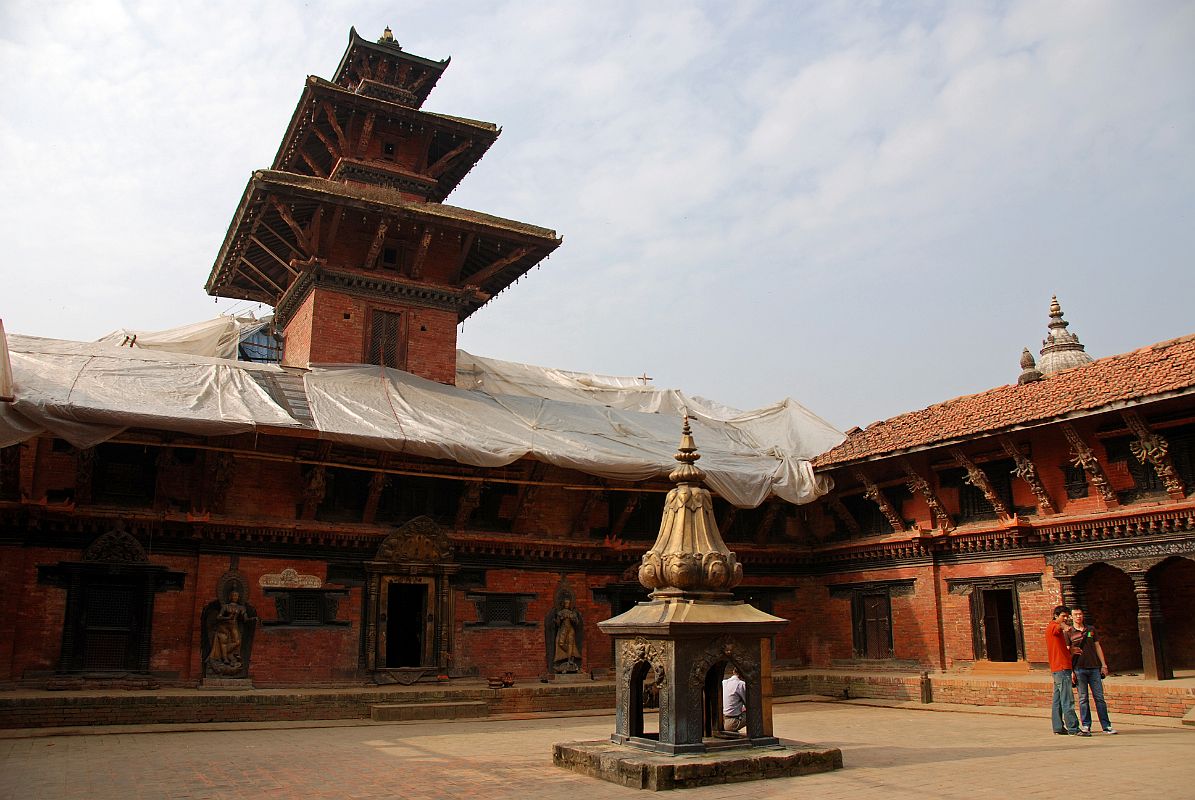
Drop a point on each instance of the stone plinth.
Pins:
(639, 769)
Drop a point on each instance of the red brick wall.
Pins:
(333, 328)
(523, 651)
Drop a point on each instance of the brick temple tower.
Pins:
(347, 235)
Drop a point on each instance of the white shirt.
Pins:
(734, 696)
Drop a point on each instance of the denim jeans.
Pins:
(1091, 678)
(1062, 707)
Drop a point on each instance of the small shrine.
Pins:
(682, 648)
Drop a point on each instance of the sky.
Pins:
(864, 206)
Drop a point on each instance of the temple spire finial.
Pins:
(1061, 348)
(1029, 371)
(687, 455)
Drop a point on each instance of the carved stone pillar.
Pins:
(1151, 629)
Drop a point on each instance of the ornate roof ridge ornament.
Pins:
(1029, 371)
(1061, 348)
(689, 560)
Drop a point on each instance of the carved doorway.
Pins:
(408, 605)
(408, 628)
(999, 628)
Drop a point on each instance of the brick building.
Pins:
(171, 515)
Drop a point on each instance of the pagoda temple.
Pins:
(347, 235)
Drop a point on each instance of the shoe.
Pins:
(1060, 733)
(1080, 733)
(1111, 731)
(1085, 729)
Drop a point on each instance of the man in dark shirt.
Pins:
(1090, 670)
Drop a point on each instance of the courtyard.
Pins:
(889, 752)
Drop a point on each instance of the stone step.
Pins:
(1189, 717)
(395, 712)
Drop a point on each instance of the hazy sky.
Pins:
(864, 206)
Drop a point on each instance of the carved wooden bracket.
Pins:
(840, 511)
(1082, 456)
(1152, 448)
(919, 485)
(979, 479)
(877, 496)
(1027, 471)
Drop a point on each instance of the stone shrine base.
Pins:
(641, 769)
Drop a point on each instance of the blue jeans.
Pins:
(1091, 678)
(1062, 707)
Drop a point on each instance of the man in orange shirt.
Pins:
(1059, 650)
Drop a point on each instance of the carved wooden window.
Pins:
(392, 256)
(871, 615)
(125, 474)
(306, 607)
(500, 609)
(1182, 453)
(385, 340)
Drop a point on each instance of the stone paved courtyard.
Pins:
(889, 752)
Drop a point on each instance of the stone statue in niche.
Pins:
(564, 634)
(228, 627)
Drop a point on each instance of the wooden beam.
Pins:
(376, 247)
(253, 267)
(296, 229)
(366, 133)
(330, 113)
(333, 228)
(295, 251)
(466, 246)
(313, 229)
(272, 254)
(316, 168)
(435, 170)
(333, 150)
(425, 242)
(486, 273)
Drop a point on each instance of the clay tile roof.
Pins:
(1151, 371)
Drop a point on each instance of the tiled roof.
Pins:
(1151, 371)
(390, 198)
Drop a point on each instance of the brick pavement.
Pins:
(890, 753)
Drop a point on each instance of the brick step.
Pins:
(396, 712)
(1189, 718)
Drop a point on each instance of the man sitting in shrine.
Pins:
(734, 701)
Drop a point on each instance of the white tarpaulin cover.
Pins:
(606, 426)
(217, 337)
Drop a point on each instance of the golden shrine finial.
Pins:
(687, 455)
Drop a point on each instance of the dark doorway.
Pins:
(999, 627)
(108, 627)
(1107, 595)
(877, 623)
(1174, 583)
(405, 629)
